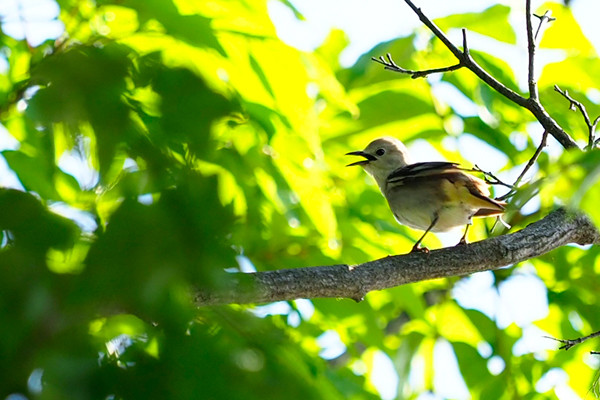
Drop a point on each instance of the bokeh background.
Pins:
(150, 148)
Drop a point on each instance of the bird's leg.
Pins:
(463, 239)
(416, 247)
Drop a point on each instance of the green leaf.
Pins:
(489, 135)
(492, 22)
(332, 47)
(34, 227)
(194, 29)
(564, 32)
(84, 84)
(33, 173)
(189, 109)
(473, 367)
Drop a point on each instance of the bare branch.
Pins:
(465, 46)
(532, 104)
(466, 59)
(568, 343)
(576, 104)
(530, 163)
(533, 159)
(392, 66)
(547, 17)
(533, 91)
(344, 281)
(531, 44)
(491, 179)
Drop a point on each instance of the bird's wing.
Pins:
(479, 189)
(420, 170)
(459, 180)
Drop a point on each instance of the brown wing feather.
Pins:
(478, 189)
(486, 212)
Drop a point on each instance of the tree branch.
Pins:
(568, 343)
(533, 159)
(465, 58)
(532, 103)
(533, 91)
(557, 229)
(530, 163)
(531, 44)
(389, 64)
(492, 179)
(547, 17)
(590, 125)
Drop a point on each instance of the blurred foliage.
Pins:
(159, 144)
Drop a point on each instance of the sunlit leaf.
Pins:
(492, 22)
(564, 32)
(195, 29)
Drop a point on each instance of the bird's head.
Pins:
(382, 156)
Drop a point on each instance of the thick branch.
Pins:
(532, 103)
(555, 230)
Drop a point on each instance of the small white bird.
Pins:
(431, 196)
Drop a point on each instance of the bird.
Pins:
(433, 196)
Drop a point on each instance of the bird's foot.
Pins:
(462, 242)
(418, 249)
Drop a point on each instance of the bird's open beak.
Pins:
(361, 153)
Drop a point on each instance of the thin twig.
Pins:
(466, 59)
(533, 159)
(568, 343)
(490, 178)
(493, 180)
(533, 92)
(531, 104)
(465, 46)
(392, 66)
(530, 163)
(547, 17)
(576, 104)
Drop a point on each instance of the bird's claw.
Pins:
(417, 249)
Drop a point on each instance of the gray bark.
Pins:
(557, 229)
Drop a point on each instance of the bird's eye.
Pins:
(380, 152)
